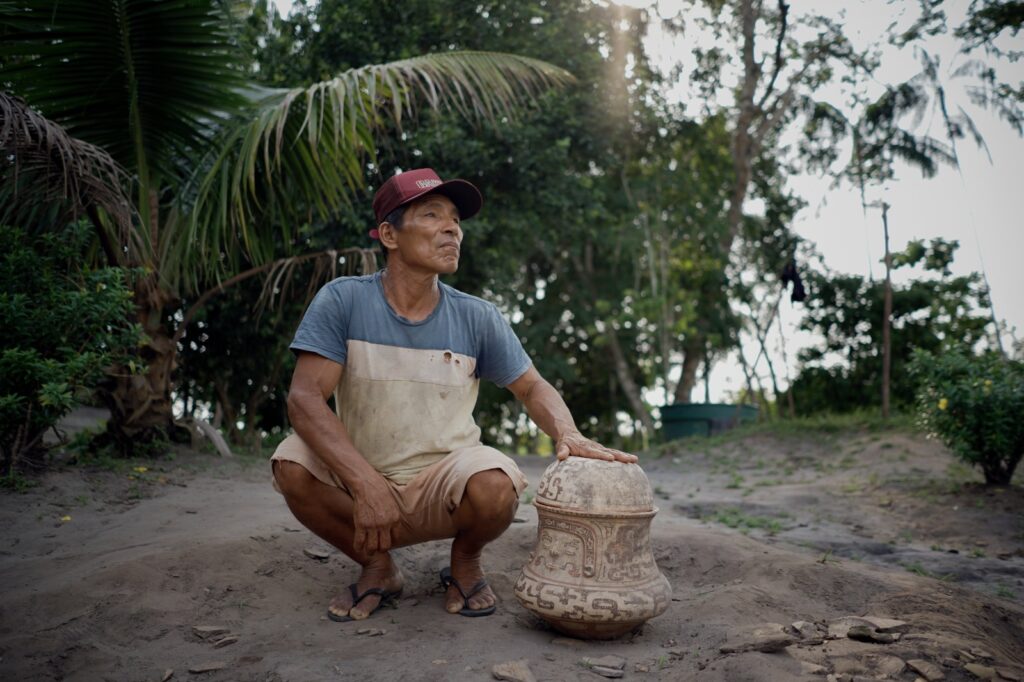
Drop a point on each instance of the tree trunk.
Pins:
(887, 318)
(139, 400)
(625, 377)
(999, 471)
(756, 118)
(693, 354)
(585, 269)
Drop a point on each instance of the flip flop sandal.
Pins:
(447, 581)
(356, 598)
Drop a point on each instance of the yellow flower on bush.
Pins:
(943, 403)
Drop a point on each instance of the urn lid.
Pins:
(595, 486)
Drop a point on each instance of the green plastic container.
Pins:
(703, 419)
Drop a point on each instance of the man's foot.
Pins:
(383, 575)
(467, 591)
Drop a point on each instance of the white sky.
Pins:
(982, 211)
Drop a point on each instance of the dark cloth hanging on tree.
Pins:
(790, 274)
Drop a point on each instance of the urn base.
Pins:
(581, 630)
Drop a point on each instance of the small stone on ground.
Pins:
(204, 631)
(982, 672)
(318, 554)
(168, 674)
(513, 671)
(806, 629)
(764, 638)
(926, 669)
(567, 641)
(611, 673)
(225, 641)
(610, 661)
(866, 633)
(884, 624)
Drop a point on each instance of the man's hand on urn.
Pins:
(375, 516)
(575, 444)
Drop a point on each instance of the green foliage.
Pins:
(605, 207)
(552, 178)
(237, 361)
(225, 172)
(61, 325)
(974, 404)
(735, 518)
(932, 312)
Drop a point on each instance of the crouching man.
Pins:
(403, 354)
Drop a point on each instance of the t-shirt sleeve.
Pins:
(501, 357)
(324, 327)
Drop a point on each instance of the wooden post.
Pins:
(887, 319)
(707, 377)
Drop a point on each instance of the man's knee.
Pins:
(492, 495)
(292, 478)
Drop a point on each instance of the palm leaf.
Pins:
(48, 177)
(149, 81)
(300, 153)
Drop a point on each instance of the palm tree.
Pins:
(222, 171)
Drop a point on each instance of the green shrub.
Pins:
(61, 325)
(975, 405)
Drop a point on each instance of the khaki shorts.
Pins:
(428, 500)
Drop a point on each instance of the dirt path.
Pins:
(824, 527)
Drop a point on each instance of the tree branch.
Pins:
(783, 14)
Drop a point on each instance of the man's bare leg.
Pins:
(327, 511)
(487, 509)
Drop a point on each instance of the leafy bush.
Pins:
(61, 324)
(975, 405)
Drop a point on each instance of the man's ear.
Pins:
(388, 235)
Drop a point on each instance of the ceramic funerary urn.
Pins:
(592, 572)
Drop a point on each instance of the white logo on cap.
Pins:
(423, 184)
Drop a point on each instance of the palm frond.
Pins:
(966, 122)
(48, 177)
(279, 276)
(147, 80)
(300, 153)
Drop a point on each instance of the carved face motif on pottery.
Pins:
(559, 554)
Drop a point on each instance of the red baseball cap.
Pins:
(402, 188)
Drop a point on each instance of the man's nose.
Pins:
(454, 228)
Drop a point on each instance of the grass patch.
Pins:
(825, 424)
(16, 482)
(917, 569)
(734, 518)
(1005, 592)
(735, 481)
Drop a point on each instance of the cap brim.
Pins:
(464, 195)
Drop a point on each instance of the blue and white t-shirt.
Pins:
(408, 389)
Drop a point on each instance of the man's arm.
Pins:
(545, 406)
(376, 513)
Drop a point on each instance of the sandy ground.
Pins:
(754, 530)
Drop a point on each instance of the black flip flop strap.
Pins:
(356, 597)
(473, 590)
(448, 581)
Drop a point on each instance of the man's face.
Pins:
(430, 237)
